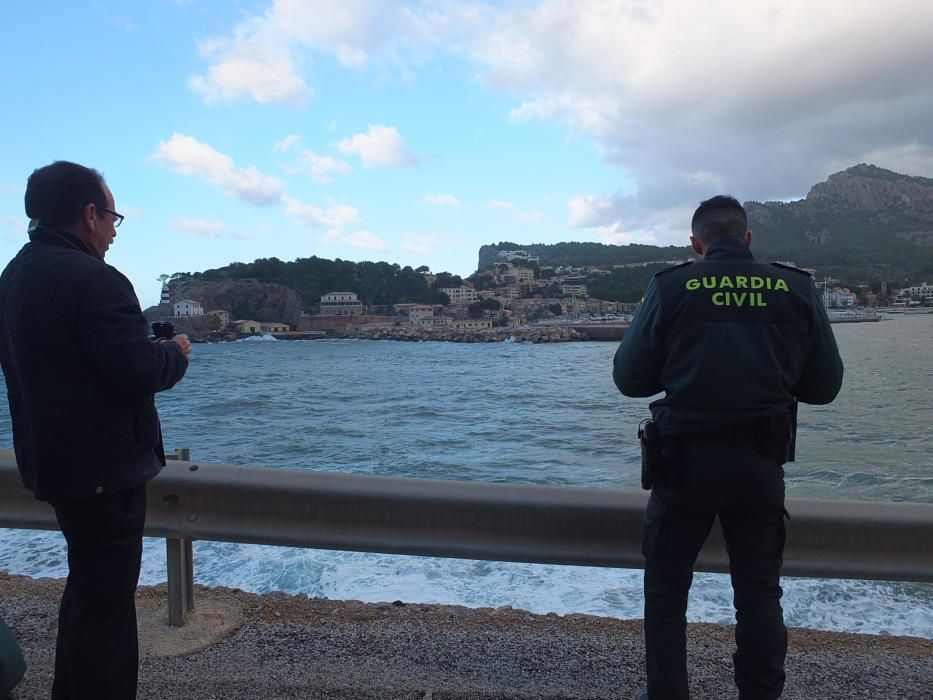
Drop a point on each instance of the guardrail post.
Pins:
(179, 573)
(179, 556)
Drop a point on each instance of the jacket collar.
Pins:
(728, 249)
(61, 239)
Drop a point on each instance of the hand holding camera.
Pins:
(165, 330)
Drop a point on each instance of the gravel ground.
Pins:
(242, 645)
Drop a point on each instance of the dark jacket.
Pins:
(728, 339)
(80, 371)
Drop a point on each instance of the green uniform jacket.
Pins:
(728, 339)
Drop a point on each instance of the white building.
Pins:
(423, 317)
(837, 297)
(574, 290)
(274, 327)
(518, 275)
(222, 315)
(460, 295)
(341, 304)
(473, 324)
(417, 313)
(188, 307)
(517, 255)
(922, 293)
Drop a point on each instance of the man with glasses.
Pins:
(81, 374)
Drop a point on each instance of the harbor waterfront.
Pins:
(524, 413)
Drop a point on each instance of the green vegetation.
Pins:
(476, 309)
(583, 254)
(623, 284)
(374, 282)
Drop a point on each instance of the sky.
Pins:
(415, 132)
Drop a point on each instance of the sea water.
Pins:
(513, 412)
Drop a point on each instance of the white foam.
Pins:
(254, 338)
(869, 607)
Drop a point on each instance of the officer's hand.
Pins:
(183, 343)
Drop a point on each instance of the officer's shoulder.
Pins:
(799, 270)
(673, 267)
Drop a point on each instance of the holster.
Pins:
(777, 437)
(650, 440)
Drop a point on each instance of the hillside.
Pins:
(270, 289)
(861, 225)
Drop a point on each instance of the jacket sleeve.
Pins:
(115, 336)
(638, 361)
(821, 377)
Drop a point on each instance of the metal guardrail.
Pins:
(475, 520)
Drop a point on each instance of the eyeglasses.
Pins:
(117, 218)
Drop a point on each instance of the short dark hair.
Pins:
(719, 217)
(56, 194)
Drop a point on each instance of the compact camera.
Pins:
(163, 330)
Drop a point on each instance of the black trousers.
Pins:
(746, 490)
(96, 656)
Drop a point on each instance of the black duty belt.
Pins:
(723, 434)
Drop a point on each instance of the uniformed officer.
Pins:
(733, 343)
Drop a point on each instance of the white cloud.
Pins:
(189, 156)
(262, 59)
(518, 215)
(659, 88)
(335, 217)
(287, 142)
(418, 244)
(351, 57)
(322, 168)
(690, 99)
(442, 200)
(362, 240)
(261, 68)
(380, 146)
(205, 229)
(592, 210)
(614, 235)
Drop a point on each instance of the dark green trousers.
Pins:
(733, 481)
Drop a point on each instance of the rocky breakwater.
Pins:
(540, 334)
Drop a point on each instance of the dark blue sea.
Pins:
(510, 412)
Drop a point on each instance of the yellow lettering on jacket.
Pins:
(738, 299)
(737, 282)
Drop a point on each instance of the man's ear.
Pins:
(697, 246)
(747, 238)
(89, 219)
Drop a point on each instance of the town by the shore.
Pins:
(239, 646)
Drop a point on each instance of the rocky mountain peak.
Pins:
(872, 190)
